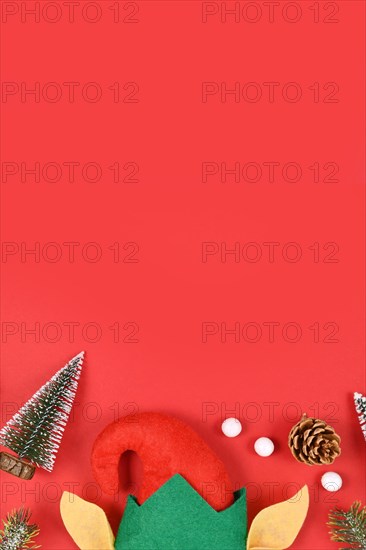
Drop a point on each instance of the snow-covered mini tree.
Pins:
(360, 404)
(36, 430)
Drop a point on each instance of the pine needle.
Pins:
(349, 526)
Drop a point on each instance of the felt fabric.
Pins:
(86, 523)
(276, 527)
(166, 446)
(176, 517)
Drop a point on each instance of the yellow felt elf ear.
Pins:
(86, 523)
(276, 527)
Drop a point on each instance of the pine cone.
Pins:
(313, 441)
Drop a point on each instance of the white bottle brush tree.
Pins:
(35, 431)
(360, 404)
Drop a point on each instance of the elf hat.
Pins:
(186, 500)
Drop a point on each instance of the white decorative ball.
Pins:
(231, 427)
(332, 481)
(264, 446)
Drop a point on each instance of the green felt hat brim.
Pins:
(176, 517)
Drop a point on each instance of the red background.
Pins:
(169, 212)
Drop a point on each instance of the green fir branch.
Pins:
(349, 526)
(17, 533)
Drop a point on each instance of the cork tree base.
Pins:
(16, 466)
